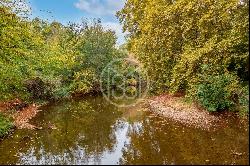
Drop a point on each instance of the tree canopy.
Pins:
(178, 40)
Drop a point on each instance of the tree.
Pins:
(175, 39)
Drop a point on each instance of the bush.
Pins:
(218, 92)
(244, 101)
(5, 126)
(84, 81)
(38, 89)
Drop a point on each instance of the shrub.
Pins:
(244, 101)
(84, 81)
(37, 88)
(218, 92)
(5, 126)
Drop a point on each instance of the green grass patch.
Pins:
(5, 125)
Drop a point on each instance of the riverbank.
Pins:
(172, 107)
(72, 130)
(175, 108)
(18, 114)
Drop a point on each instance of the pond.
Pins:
(92, 131)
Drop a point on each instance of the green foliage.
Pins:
(96, 49)
(217, 92)
(84, 81)
(244, 101)
(16, 44)
(5, 126)
(65, 59)
(175, 39)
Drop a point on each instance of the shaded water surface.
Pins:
(92, 131)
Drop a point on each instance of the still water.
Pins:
(92, 131)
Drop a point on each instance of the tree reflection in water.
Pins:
(157, 141)
(92, 131)
(85, 132)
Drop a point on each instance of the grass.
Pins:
(5, 126)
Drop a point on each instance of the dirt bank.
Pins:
(20, 112)
(190, 114)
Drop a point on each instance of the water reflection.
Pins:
(157, 141)
(86, 132)
(91, 131)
